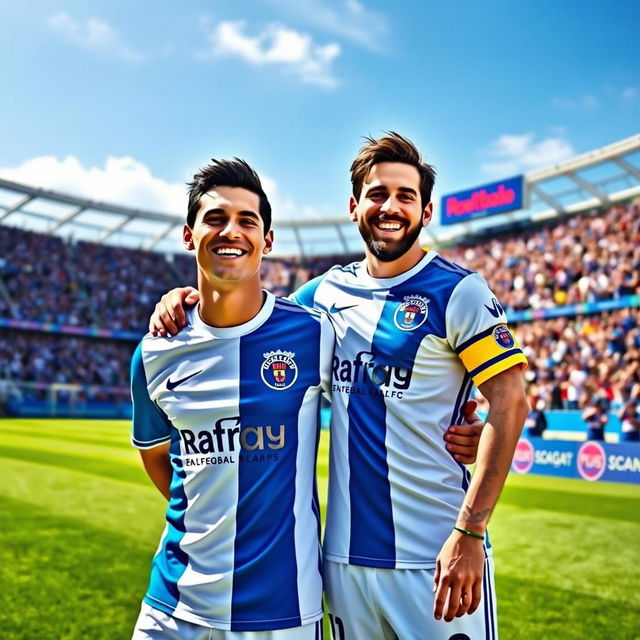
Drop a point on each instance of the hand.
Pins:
(458, 577)
(462, 439)
(169, 315)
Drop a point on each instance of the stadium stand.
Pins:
(584, 259)
(50, 280)
(71, 312)
(87, 286)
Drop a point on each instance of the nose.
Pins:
(231, 229)
(390, 205)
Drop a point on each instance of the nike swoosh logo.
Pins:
(335, 309)
(495, 310)
(171, 384)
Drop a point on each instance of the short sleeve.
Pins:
(305, 295)
(477, 331)
(150, 426)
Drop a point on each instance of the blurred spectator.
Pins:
(536, 421)
(596, 418)
(630, 420)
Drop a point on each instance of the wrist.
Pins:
(470, 532)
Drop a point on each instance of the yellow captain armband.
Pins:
(490, 352)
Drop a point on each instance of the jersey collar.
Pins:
(387, 283)
(194, 319)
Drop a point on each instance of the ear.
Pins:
(187, 238)
(427, 214)
(353, 214)
(268, 242)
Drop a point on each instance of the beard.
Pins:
(389, 250)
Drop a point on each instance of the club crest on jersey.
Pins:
(412, 313)
(279, 370)
(503, 337)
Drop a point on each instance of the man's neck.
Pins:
(379, 269)
(230, 307)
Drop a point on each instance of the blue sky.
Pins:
(122, 101)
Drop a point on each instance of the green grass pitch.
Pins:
(80, 523)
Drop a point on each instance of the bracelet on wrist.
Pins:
(466, 532)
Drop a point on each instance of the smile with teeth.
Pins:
(387, 225)
(229, 251)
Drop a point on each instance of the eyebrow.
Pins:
(219, 210)
(381, 187)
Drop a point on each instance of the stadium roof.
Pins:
(592, 180)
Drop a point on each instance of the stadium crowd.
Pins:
(574, 363)
(51, 280)
(583, 259)
(572, 360)
(51, 358)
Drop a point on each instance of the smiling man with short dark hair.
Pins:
(226, 420)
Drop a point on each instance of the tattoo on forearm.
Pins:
(476, 517)
(500, 391)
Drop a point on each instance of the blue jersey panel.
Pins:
(266, 477)
(171, 561)
(372, 521)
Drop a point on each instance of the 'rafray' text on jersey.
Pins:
(364, 369)
(227, 435)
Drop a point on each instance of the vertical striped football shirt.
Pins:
(408, 351)
(239, 409)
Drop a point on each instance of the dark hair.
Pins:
(391, 148)
(226, 173)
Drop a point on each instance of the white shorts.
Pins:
(153, 624)
(366, 603)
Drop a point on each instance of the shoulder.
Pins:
(456, 271)
(472, 286)
(306, 294)
(294, 318)
(440, 278)
(157, 353)
(296, 308)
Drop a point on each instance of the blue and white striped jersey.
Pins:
(408, 351)
(239, 407)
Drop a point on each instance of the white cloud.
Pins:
(279, 46)
(130, 183)
(121, 180)
(349, 19)
(93, 34)
(510, 154)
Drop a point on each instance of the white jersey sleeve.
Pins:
(477, 330)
